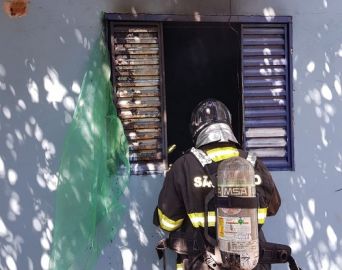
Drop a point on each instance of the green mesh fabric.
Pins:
(93, 173)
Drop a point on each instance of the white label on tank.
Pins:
(235, 228)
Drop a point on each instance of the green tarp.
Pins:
(93, 173)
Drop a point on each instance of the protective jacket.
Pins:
(181, 206)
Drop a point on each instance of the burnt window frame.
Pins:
(159, 19)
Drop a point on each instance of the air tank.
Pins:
(237, 228)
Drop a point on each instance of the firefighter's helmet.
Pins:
(211, 122)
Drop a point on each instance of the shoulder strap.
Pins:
(205, 160)
(251, 157)
(202, 157)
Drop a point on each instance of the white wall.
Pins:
(42, 61)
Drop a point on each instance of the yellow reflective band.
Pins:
(197, 219)
(168, 224)
(180, 266)
(218, 154)
(262, 214)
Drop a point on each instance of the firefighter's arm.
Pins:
(267, 190)
(170, 213)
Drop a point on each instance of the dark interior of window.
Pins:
(201, 61)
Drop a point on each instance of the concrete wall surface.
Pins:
(43, 58)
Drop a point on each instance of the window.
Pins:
(163, 66)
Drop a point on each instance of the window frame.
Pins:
(159, 19)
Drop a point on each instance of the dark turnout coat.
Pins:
(181, 200)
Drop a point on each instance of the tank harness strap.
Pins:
(160, 248)
(237, 202)
(270, 253)
(208, 258)
(178, 245)
(292, 264)
(210, 197)
(202, 157)
(182, 244)
(251, 157)
(185, 244)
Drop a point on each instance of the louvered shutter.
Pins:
(137, 73)
(266, 93)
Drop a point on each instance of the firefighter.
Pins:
(181, 204)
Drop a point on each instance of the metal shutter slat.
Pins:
(264, 81)
(276, 163)
(264, 61)
(262, 102)
(264, 92)
(141, 57)
(124, 46)
(145, 145)
(136, 40)
(256, 40)
(147, 155)
(265, 132)
(266, 142)
(134, 124)
(124, 103)
(134, 29)
(137, 61)
(142, 167)
(138, 78)
(137, 92)
(137, 50)
(140, 113)
(138, 83)
(134, 34)
(263, 31)
(265, 112)
(270, 152)
(261, 71)
(262, 51)
(145, 71)
(143, 134)
(251, 122)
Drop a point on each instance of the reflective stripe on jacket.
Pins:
(197, 220)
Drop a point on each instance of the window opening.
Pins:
(201, 61)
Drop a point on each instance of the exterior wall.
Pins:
(42, 61)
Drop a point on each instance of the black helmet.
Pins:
(207, 112)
